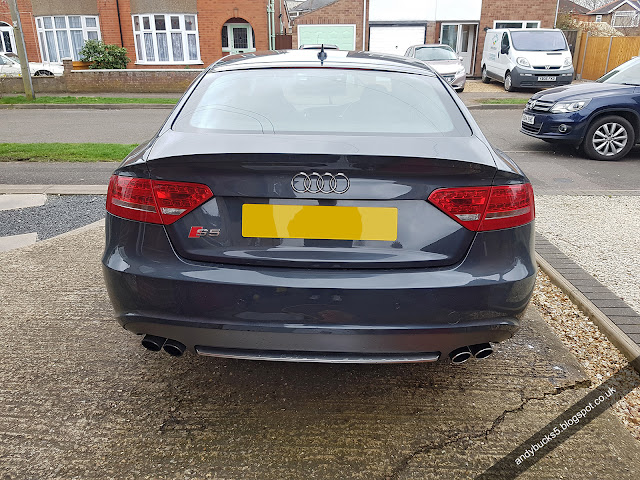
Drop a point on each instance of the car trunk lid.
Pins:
(371, 210)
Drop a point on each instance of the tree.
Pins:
(103, 55)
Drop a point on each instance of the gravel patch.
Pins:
(599, 357)
(59, 214)
(601, 234)
(476, 86)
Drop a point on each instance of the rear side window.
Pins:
(321, 101)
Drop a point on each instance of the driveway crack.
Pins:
(426, 448)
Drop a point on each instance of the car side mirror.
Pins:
(504, 49)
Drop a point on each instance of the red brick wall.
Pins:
(110, 81)
(433, 32)
(213, 14)
(28, 26)
(109, 26)
(542, 10)
(339, 12)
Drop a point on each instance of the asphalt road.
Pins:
(56, 173)
(80, 125)
(80, 398)
(552, 169)
(555, 169)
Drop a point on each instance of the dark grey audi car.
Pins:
(320, 206)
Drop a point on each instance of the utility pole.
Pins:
(22, 50)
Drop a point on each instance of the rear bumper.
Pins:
(295, 313)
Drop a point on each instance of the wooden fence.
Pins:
(599, 55)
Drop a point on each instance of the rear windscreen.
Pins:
(321, 101)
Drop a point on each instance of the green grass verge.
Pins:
(20, 100)
(64, 152)
(504, 101)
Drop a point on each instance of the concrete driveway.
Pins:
(80, 398)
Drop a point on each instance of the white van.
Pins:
(527, 57)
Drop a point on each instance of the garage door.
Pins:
(395, 39)
(343, 36)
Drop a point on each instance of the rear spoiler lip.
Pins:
(469, 149)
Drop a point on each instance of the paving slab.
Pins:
(12, 242)
(11, 202)
(81, 398)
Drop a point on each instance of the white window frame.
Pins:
(598, 18)
(250, 39)
(7, 28)
(522, 23)
(626, 14)
(168, 31)
(41, 34)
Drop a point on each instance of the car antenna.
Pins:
(322, 55)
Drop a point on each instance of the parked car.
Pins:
(10, 67)
(602, 118)
(349, 212)
(527, 57)
(443, 60)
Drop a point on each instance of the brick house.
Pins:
(573, 10)
(156, 33)
(179, 33)
(393, 25)
(621, 14)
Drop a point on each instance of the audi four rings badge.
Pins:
(320, 183)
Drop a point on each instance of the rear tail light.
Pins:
(154, 201)
(487, 208)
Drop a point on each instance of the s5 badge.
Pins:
(198, 232)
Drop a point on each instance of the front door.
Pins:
(237, 38)
(461, 37)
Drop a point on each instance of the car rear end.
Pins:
(325, 219)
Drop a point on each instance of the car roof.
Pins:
(432, 45)
(309, 59)
(318, 46)
(528, 29)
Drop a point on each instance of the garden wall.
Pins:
(107, 81)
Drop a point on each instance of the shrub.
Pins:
(103, 55)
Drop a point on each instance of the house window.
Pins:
(6, 38)
(625, 19)
(516, 24)
(598, 18)
(62, 36)
(238, 38)
(166, 39)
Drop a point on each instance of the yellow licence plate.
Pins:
(319, 222)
